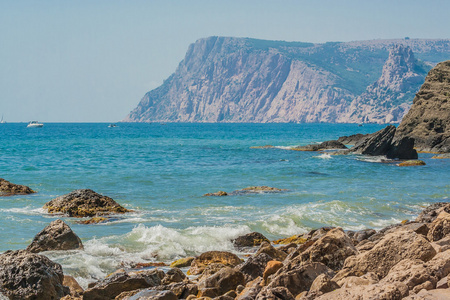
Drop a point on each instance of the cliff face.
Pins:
(428, 120)
(244, 80)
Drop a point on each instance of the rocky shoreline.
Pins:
(410, 260)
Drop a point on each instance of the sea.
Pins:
(161, 172)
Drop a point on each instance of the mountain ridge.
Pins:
(226, 79)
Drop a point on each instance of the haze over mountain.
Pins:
(225, 79)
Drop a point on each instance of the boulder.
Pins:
(174, 275)
(440, 294)
(73, 285)
(56, 236)
(120, 282)
(271, 251)
(182, 262)
(430, 213)
(299, 278)
(272, 267)
(402, 148)
(359, 236)
(251, 290)
(8, 189)
(225, 280)
(412, 163)
(393, 291)
(84, 203)
(254, 266)
(252, 239)
(332, 249)
(275, 293)
(366, 279)
(200, 262)
(440, 227)
(321, 285)
(182, 290)
(25, 275)
(391, 249)
(378, 143)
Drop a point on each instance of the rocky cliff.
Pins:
(224, 79)
(428, 120)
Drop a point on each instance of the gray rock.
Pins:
(28, 276)
(56, 236)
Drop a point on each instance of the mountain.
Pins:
(428, 120)
(225, 79)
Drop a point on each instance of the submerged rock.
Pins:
(84, 203)
(259, 189)
(25, 275)
(56, 236)
(411, 163)
(217, 194)
(8, 189)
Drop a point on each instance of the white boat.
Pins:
(35, 124)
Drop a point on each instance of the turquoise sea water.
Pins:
(162, 171)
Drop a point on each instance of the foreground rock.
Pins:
(25, 275)
(56, 236)
(84, 203)
(8, 189)
(252, 239)
(428, 120)
(199, 264)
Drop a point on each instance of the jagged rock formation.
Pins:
(428, 120)
(224, 79)
(387, 100)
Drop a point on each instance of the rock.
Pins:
(271, 251)
(328, 145)
(254, 266)
(8, 189)
(332, 249)
(391, 249)
(258, 190)
(321, 285)
(430, 213)
(377, 144)
(402, 148)
(252, 239)
(271, 268)
(353, 139)
(210, 270)
(182, 290)
(251, 290)
(351, 281)
(200, 262)
(441, 156)
(182, 262)
(120, 282)
(411, 163)
(94, 220)
(74, 287)
(441, 294)
(440, 227)
(225, 280)
(25, 275)
(218, 194)
(442, 245)
(298, 278)
(394, 291)
(276, 293)
(359, 236)
(84, 203)
(154, 295)
(296, 239)
(174, 275)
(428, 120)
(262, 147)
(56, 236)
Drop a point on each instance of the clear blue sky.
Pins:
(92, 61)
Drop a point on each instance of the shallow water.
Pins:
(162, 171)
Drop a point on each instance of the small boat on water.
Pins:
(2, 121)
(34, 124)
(112, 125)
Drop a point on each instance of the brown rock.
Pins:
(56, 236)
(216, 194)
(120, 282)
(225, 280)
(441, 294)
(252, 239)
(251, 290)
(182, 262)
(359, 236)
(321, 285)
(394, 291)
(271, 268)
(84, 203)
(75, 288)
(200, 262)
(440, 227)
(275, 293)
(411, 163)
(8, 189)
(25, 275)
(172, 276)
(332, 249)
(300, 278)
(386, 253)
(149, 294)
(271, 251)
(430, 213)
(366, 279)
(254, 266)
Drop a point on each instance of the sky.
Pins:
(93, 60)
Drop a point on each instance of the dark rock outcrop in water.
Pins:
(7, 188)
(428, 120)
(56, 236)
(328, 145)
(225, 79)
(27, 276)
(84, 203)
